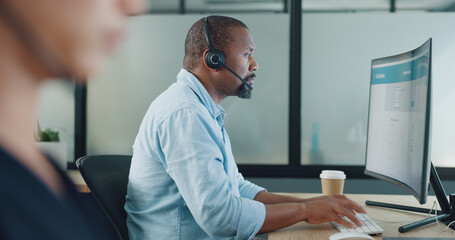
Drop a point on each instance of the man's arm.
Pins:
(283, 211)
(271, 198)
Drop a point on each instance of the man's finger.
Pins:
(344, 222)
(350, 216)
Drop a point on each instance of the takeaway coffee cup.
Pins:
(332, 182)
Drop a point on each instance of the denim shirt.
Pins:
(184, 182)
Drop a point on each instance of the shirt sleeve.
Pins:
(247, 189)
(194, 161)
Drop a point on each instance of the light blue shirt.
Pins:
(184, 182)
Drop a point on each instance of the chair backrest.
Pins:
(107, 178)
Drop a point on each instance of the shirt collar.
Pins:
(193, 82)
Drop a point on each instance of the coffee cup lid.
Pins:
(332, 174)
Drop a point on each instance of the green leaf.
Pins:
(49, 135)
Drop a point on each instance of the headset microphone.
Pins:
(215, 59)
(241, 79)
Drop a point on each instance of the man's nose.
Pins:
(254, 65)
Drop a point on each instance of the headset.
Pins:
(215, 58)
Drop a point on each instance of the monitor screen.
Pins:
(399, 120)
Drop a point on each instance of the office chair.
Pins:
(107, 178)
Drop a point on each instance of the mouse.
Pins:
(350, 236)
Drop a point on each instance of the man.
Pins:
(184, 183)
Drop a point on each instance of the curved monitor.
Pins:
(399, 120)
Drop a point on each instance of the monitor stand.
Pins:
(445, 215)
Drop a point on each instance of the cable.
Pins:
(435, 207)
(404, 221)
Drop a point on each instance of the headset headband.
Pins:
(207, 36)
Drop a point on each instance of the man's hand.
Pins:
(283, 211)
(331, 208)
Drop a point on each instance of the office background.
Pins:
(336, 42)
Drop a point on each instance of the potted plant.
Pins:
(49, 142)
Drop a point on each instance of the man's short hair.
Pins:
(220, 34)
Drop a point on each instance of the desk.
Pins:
(307, 231)
(77, 179)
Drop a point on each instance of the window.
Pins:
(302, 117)
(337, 54)
(56, 111)
(147, 64)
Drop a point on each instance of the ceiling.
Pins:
(307, 5)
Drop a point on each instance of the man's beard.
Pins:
(244, 92)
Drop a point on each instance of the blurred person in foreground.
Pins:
(184, 182)
(40, 40)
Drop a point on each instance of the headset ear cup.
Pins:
(215, 59)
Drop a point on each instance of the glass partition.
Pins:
(147, 64)
(56, 111)
(339, 40)
(337, 50)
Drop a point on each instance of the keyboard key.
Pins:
(368, 225)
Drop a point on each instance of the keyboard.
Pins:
(368, 225)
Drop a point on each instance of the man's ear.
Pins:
(204, 63)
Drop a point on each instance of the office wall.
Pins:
(147, 64)
(337, 52)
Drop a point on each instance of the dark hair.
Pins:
(220, 34)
